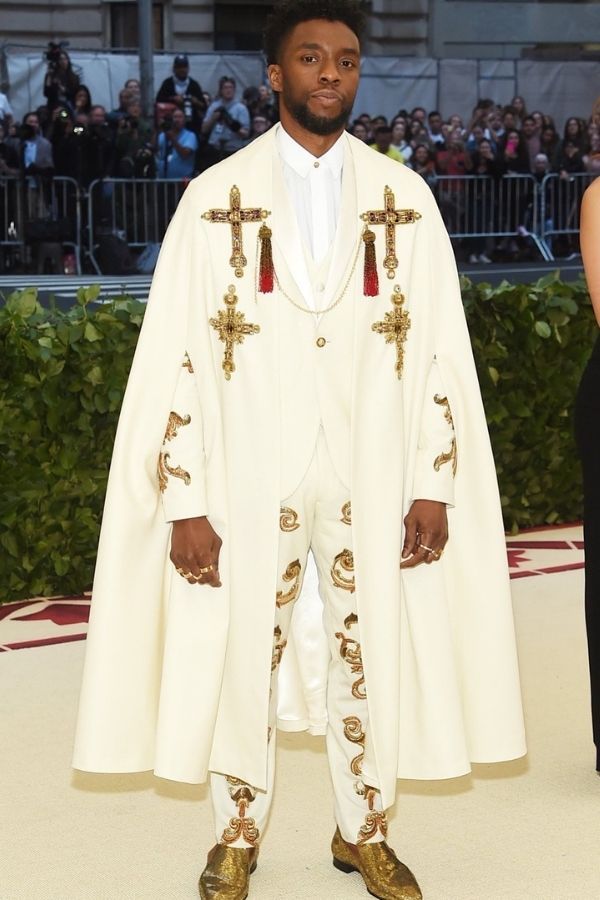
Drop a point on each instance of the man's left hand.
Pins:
(426, 533)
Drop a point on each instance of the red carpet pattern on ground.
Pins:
(37, 623)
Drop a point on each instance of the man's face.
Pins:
(97, 115)
(528, 128)
(178, 119)
(317, 76)
(34, 122)
(181, 72)
(383, 139)
(227, 91)
(435, 124)
(259, 125)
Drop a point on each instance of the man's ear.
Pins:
(275, 78)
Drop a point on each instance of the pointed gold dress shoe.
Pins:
(227, 873)
(384, 875)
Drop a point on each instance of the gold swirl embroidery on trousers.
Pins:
(288, 519)
(187, 364)
(350, 651)
(278, 648)
(292, 573)
(353, 732)
(344, 561)
(375, 820)
(241, 827)
(347, 513)
(395, 327)
(232, 329)
(451, 454)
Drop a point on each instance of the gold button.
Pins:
(321, 342)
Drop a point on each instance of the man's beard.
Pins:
(321, 125)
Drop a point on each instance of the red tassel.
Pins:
(266, 271)
(370, 278)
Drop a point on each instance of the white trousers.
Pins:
(317, 517)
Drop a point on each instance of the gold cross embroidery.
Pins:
(390, 217)
(395, 327)
(232, 328)
(236, 216)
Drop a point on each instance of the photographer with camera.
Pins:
(185, 93)
(227, 122)
(175, 147)
(134, 152)
(61, 82)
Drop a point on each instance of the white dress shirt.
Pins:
(315, 188)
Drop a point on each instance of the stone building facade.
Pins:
(497, 29)
(396, 26)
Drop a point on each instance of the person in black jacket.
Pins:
(185, 93)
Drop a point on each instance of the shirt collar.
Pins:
(301, 161)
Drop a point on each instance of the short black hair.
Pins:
(289, 13)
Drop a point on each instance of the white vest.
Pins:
(315, 350)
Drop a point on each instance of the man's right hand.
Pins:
(195, 546)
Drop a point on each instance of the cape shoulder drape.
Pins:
(176, 677)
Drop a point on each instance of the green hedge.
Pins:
(531, 343)
(62, 376)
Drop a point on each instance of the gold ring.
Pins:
(425, 547)
(206, 569)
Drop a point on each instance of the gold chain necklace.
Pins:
(305, 309)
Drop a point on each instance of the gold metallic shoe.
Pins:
(384, 875)
(227, 873)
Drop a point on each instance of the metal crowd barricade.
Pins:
(36, 210)
(65, 210)
(481, 206)
(137, 210)
(560, 205)
(12, 220)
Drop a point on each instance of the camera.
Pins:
(52, 54)
(225, 119)
(167, 123)
(144, 164)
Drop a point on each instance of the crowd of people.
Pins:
(70, 135)
(73, 136)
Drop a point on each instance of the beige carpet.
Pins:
(523, 830)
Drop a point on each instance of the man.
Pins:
(184, 92)
(227, 122)
(175, 149)
(116, 116)
(36, 150)
(308, 387)
(436, 130)
(36, 164)
(531, 138)
(383, 143)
